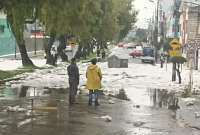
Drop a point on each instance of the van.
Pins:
(148, 55)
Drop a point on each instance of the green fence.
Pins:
(7, 39)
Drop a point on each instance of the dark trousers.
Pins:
(161, 64)
(73, 87)
(96, 95)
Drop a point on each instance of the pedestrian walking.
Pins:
(103, 54)
(94, 77)
(73, 73)
(98, 52)
(54, 52)
(162, 60)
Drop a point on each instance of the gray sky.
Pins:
(146, 10)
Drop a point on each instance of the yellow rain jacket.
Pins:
(94, 76)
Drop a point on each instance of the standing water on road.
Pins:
(38, 104)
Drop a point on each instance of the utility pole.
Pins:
(156, 32)
(197, 48)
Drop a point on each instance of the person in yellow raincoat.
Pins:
(94, 77)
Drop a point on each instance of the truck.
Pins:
(148, 55)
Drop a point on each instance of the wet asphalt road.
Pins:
(47, 112)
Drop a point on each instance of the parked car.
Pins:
(148, 55)
(130, 45)
(120, 44)
(136, 53)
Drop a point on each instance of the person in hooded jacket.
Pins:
(73, 73)
(94, 77)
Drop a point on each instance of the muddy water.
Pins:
(47, 112)
(36, 104)
(150, 97)
(155, 98)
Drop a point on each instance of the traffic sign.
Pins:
(175, 44)
(175, 48)
(173, 53)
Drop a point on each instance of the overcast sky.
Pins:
(146, 10)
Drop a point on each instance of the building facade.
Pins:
(189, 22)
(190, 29)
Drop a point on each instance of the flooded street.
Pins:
(99, 67)
(133, 101)
(46, 111)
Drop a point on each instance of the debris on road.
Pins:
(197, 114)
(189, 103)
(8, 84)
(138, 123)
(15, 109)
(122, 95)
(24, 122)
(107, 118)
(29, 113)
(188, 99)
(111, 101)
(137, 106)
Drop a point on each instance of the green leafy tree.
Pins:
(127, 17)
(85, 20)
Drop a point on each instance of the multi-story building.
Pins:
(190, 28)
(189, 21)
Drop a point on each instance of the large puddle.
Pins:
(28, 92)
(31, 98)
(143, 97)
(151, 97)
(46, 106)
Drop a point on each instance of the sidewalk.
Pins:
(189, 113)
(10, 63)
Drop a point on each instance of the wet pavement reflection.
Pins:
(38, 111)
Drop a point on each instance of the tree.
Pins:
(71, 18)
(141, 35)
(17, 12)
(166, 44)
(127, 17)
(102, 20)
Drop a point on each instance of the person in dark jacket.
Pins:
(98, 52)
(73, 73)
(162, 60)
(103, 54)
